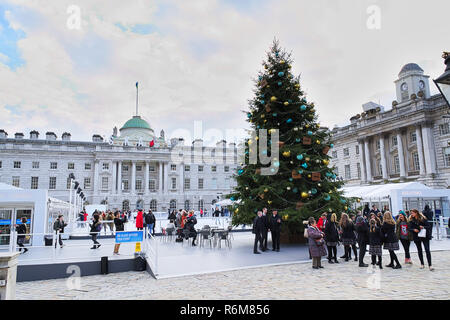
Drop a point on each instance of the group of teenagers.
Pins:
(374, 229)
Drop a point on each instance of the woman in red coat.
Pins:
(140, 220)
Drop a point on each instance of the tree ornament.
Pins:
(300, 157)
(309, 176)
(297, 140)
(295, 128)
(305, 165)
(309, 133)
(295, 190)
(307, 159)
(296, 175)
(236, 211)
(269, 202)
(250, 141)
(288, 188)
(249, 115)
(315, 176)
(306, 140)
(262, 116)
(240, 171)
(285, 217)
(331, 145)
(303, 107)
(263, 83)
(281, 73)
(262, 101)
(280, 143)
(300, 171)
(280, 83)
(325, 162)
(287, 154)
(304, 195)
(266, 190)
(327, 197)
(282, 61)
(286, 103)
(313, 190)
(318, 141)
(325, 150)
(307, 125)
(317, 161)
(289, 120)
(274, 114)
(273, 98)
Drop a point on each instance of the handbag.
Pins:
(422, 233)
(320, 242)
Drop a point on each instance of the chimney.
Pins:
(18, 135)
(51, 136)
(97, 138)
(66, 136)
(34, 135)
(3, 134)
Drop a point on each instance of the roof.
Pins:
(136, 122)
(381, 190)
(410, 67)
(4, 186)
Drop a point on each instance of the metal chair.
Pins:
(206, 235)
(224, 235)
(229, 232)
(186, 236)
(169, 234)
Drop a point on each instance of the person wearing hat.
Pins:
(58, 226)
(403, 234)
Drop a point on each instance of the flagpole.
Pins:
(137, 95)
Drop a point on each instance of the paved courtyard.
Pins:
(292, 281)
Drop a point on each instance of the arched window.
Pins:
(153, 205)
(200, 204)
(173, 204)
(125, 205)
(187, 205)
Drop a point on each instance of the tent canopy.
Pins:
(382, 190)
(226, 202)
(4, 186)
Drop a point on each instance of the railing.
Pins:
(151, 253)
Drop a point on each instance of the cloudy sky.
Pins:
(195, 59)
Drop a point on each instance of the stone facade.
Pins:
(125, 172)
(411, 141)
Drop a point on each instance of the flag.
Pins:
(152, 143)
(137, 84)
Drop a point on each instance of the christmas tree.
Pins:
(298, 182)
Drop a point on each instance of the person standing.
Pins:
(362, 229)
(265, 219)
(375, 243)
(332, 237)
(275, 229)
(96, 227)
(119, 224)
(348, 237)
(316, 243)
(404, 235)
(322, 222)
(58, 226)
(390, 239)
(417, 223)
(366, 211)
(110, 218)
(140, 220)
(258, 228)
(150, 222)
(21, 230)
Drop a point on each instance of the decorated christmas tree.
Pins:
(298, 181)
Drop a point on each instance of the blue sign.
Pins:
(129, 236)
(5, 222)
(19, 221)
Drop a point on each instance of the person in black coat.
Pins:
(417, 222)
(265, 230)
(150, 220)
(362, 229)
(375, 243)
(366, 211)
(119, 224)
(275, 229)
(258, 229)
(21, 230)
(96, 227)
(390, 239)
(191, 221)
(348, 237)
(332, 237)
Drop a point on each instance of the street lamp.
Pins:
(443, 82)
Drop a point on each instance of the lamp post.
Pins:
(443, 81)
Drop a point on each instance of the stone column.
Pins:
(428, 149)
(401, 156)
(114, 182)
(166, 176)
(181, 178)
(420, 150)
(383, 158)
(8, 272)
(133, 177)
(362, 161)
(160, 178)
(146, 175)
(119, 178)
(96, 173)
(367, 157)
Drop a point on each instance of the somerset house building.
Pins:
(133, 169)
(409, 142)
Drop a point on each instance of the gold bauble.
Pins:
(307, 159)
(304, 195)
(318, 141)
(309, 176)
(273, 98)
(265, 121)
(297, 85)
(307, 126)
(286, 103)
(237, 210)
(325, 161)
(286, 153)
(257, 138)
(282, 62)
(269, 202)
(266, 190)
(285, 217)
(250, 141)
(345, 207)
(262, 116)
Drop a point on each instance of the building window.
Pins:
(104, 183)
(200, 183)
(138, 168)
(358, 170)
(173, 167)
(200, 204)
(125, 185)
(153, 205)
(152, 185)
(380, 169)
(0, 164)
(187, 184)
(52, 183)
(394, 140)
(125, 168)
(87, 183)
(213, 168)
(347, 172)
(53, 165)
(187, 205)
(174, 183)
(334, 154)
(446, 152)
(357, 149)
(35, 165)
(87, 166)
(413, 136)
(34, 182)
(16, 181)
(105, 166)
(444, 129)
(214, 183)
(226, 169)
(125, 205)
(151, 168)
(416, 164)
(187, 168)
(200, 168)
(377, 145)
(138, 185)
(173, 204)
(346, 152)
(17, 164)
(71, 166)
(396, 164)
(69, 182)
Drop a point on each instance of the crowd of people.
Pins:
(262, 224)
(377, 230)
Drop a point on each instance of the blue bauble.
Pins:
(310, 133)
(280, 83)
(328, 174)
(281, 73)
(276, 54)
(332, 145)
(333, 176)
(297, 140)
(257, 127)
(313, 190)
(240, 172)
(249, 115)
(290, 179)
(290, 101)
(289, 120)
(232, 198)
(274, 114)
(300, 171)
(262, 102)
(303, 107)
(295, 190)
(327, 197)
(305, 165)
(343, 201)
(300, 157)
(260, 78)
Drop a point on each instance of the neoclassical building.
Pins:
(410, 141)
(133, 169)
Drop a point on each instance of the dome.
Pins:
(410, 67)
(136, 122)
